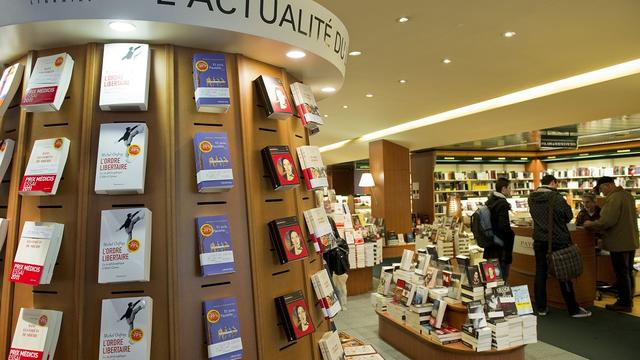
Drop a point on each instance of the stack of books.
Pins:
(397, 311)
(445, 247)
(320, 230)
(286, 237)
(273, 97)
(380, 302)
(215, 245)
(313, 169)
(369, 254)
(515, 331)
(222, 329)
(446, 335)
(325, 294)
(418, 315)
(357, 352)
(36, 334)
(438, 293)
(529, 329)
(48, 83)
(45, 167)
(476, 339)
(125, 77)
(306, 106)
(214, 172)
(122, 159)
(462, 242)
(280, 167)
(125, 328)
(500, 338)
(37, 253)
(125, 245)
(330, 346)
(294, 315)
(9, 84)
(210, 83)
(361, 260)
(353, 263)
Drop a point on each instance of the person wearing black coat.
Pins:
(504, 236)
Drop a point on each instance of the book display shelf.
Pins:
(176, 285)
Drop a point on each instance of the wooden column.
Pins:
(423, 165)
(536, 167)
(341, 179)
(390, 198)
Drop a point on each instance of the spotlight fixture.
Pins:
(355, 53)
(446, 61)
(369, 95)
(345, 106)
(122, 26)
(296, 54)
(403, 81)
(402, 19)
(328, 89)
(509, 34)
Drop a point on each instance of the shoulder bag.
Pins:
(565, 264)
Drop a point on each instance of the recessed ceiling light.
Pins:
(551, 157)
(477, 158)
(524, 158)
(502, 158)
(325, 115)
(624, 151)
(583, 154)
(446, 61)
(369, 95)
(355, 53)
(449, 158)
(403, 81)
(509, 34)
(328, 89)
(122, 26)
(345, 106)
(402, 19)
(296, 54)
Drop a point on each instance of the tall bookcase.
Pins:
(176, 286)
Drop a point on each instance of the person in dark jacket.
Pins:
(501, 226)
(591, 211)
(541, 202)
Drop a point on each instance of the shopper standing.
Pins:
(502, 249)
(619, 229)
(546, 198)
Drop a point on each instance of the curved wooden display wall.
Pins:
(176, 286)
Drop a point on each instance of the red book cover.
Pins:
(291, 239)
(282, 167)
(299, 315)
(274, 95)
(489, 272)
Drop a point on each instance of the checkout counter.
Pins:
(523, 267)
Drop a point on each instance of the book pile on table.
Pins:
(353, 264)
(330, 346)
(356, 349)
(477, 340)
(500, 338)
(529, 329)
(446, 335)
(361, 260)
(515, 331)
(418, 315)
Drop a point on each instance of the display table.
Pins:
(418, 345)
(456, 315)
(395, 251)
(360, 281)
(523, 268)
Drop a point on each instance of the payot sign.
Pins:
(301, 23)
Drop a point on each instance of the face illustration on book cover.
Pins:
(489, 272)
(301, 322)
(285, 168)
(294, 243)
(474, 277)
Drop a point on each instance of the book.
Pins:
(375, 356)
(125, 328)
(211, 83)
(522, 299)
(359, 350)
(446, 278)
(9, 85)
(6, 154)
(386, 281)
(44, 169)
(4, 226)
(125, 77)
(224, 341)
(125, 245)
(122, 158)
(474, 279)
(421, 295)
(295, 316)
(325, 293)
(36, 334)
(37, 252)
(280, 167)
(423, 263)
(273, 97)
(475, 310)
(214, 171)
(431, 279)
(286, 237)
(215, 245)
(507, 300)
(313, 170)
(306, 105)
(330, 346)
(496, 268)
(48, 83)
(407, 260)
(437, 314)
(455, 286)
(320, 229)
(488, 272)
(493, 307)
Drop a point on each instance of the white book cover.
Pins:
(306, 104)
(48, 83)
(6, 153)
(37, 253)
(313, 169)
(122, 158)
(125, 329)
(36, 334)
(9, 84)
(125, 77)
(407, 260)
(327, 295)
(332, 346)
(125, 245)
(4, 226)
(45, 167)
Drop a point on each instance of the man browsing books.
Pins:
(502, 249)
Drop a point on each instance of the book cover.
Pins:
(496, 268)
(522, 299)
(211, 83)
(214, 171)
(122, 158)
(325, 293)
(437, 314)
(9, 85)
(48, 83)
(6, 153)
(313, 169)
(431, 278)
(287, 236)
(446, 278)
(476, 315)
(125, 245)
(125, 329)
(216, 250)
(280, 165)
(274, 97)
(474, 279)
(44, 169)
(493, 307)
(297, 315)
(423, 263)
(222, 324)
(306, 104)
(507, 301)
(36, 334)
(37, 253)
(488, 272)
(125, 77)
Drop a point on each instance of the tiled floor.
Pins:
(361, 321)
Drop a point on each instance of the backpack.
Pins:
(481, 226)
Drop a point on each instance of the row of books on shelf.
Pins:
(282, 172)
(364, 255)
(621, 170)
(588, 184)
(482, 175)
(124, 85)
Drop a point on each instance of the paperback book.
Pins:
(125, 329)
(9, 85)
(222, 324)
(6, 153)
(522, 299)
(286, 237)
(36, 335)
(330, 346)
(507, 300)
(122, 158)
(48, 83)
(306, 105)
(280, 166)
(125, 245)
(211, 83)
(4, 226)
(125, 77)
(37, 253)
(215, 244)
(423, 263)
(407, 260)
(474, 279)
(476, 314)
(313, 170)
(493, 306)
(214, 172)
(325, 293)
(437, 314)
(44, 169)
(488, 272)
(273, 97)
(320, 229)
(295, 316)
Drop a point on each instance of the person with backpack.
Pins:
(501, 225)
(551, 213)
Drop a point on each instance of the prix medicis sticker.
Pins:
(136, 335)
(213, 316)
(202, 66)
(133, 245)
(205, 146)
(133, 150)
(206, 230)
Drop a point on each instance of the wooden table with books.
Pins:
(419, 345)
(396, 251)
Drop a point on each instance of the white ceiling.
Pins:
(555, 40)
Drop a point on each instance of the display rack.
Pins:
(176, 286)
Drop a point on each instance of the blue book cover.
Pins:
(222, 329)
(213, 162)
(216, 252)
(210, 82)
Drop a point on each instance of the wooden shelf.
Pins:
(460, 191)
(480, 180)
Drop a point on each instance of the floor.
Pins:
(361, 321)
(610, 299)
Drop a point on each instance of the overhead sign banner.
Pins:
(559, 141)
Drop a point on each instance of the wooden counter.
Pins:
(395, 251)
(418, 345)
(359, 281)
(523, 268)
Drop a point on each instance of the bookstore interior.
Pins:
(315, 194)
